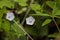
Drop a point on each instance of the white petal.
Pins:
(30, 20)
(10, 16)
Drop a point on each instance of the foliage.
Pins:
(37, 10)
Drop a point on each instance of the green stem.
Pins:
(28, 10)
(42, 7)
(21, 27)
(27, 13)
(56, 25)
(54, 9)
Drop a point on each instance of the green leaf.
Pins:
(58, 5)
(22, 10)
(35, 7)
(54, 35)
(40, 14)
(50, 4)
(6, 25)
(22, 2)
(2, 11)
(57, 12)
(47, 21)
(1, 14)
(6, 3)
(17, 30)
(57, 17)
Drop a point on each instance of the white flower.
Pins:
(30, 20)
(10, 16)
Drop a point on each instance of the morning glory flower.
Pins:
(10, 16)
(30, 20)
